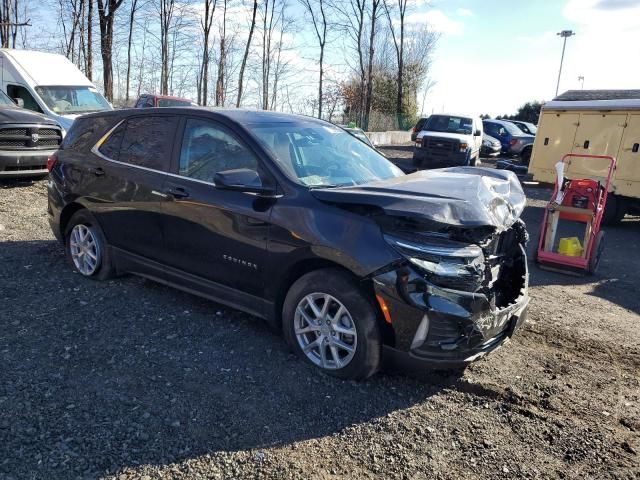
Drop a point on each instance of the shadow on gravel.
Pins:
(99, 376)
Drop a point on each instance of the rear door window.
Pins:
(110, 148)
(148, 141)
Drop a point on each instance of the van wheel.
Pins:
(86, 247)
(329, 322)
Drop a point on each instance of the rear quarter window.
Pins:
(148, 141)
(85, 132)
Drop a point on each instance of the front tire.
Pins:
(329, 322)
(86, 247)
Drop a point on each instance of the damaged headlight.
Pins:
(446, 263)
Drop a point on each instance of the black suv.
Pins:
(26, 140)
(293, 220)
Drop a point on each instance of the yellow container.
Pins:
(570, 246)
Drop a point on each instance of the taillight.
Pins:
(513, 141)
(51, 161)
(414, 129)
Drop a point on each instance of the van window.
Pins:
(65, 100)
(208, 148)
(18, 91)
(148, 141)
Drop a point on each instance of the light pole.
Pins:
(581, 80)
(564, 34)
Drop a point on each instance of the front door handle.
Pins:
(178, 192)
(98, 171)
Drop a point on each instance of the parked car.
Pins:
(526, 127)
(50, 84)
(417, 128)
(26, 140)
(514, 141)
(151, 101)
(491, 147)
(292, 219)
(448, 140)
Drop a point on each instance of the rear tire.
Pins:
(319, 309)
(525, 157)
(596, 253)
(86, 247)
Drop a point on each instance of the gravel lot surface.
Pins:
(130, 379)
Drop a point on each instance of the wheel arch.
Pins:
(302, 267)
(66, 214)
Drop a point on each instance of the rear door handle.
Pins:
(98, 171)
(178, 192)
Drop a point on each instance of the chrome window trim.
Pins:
(95, 150)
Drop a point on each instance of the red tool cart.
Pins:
(577, 200)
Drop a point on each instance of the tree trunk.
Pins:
(132, 14)
(246, 53)
(222, 60)
(372, 37)
(89, 60)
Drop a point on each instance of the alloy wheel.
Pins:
(84, 249)
(325, 331)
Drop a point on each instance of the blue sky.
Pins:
(494, 55)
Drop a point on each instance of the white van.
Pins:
(448, 141)
(48, 83)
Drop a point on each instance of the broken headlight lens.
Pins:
(446, 263)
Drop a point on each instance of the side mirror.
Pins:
(241, 180)
(477, 133)
(19, 102)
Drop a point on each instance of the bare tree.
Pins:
(205, 23)
(106, 14)
(166, 15)
(398, 43)
(319, 19)
(267, 32)
(374, 15)
(246, 53)
(222, 58)
(352, 15)
(88, 61)
(132, 14)
(10, 23)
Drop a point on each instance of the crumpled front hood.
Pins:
(458, 196)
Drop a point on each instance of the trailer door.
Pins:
(598, 134)
(629, 156)
(556, 132)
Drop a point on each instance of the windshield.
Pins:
(532, 128)
(449, 124)
(318, 155)
(5, 101)
(66, 100)
(173, 102)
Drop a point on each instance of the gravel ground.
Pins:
(129, 379)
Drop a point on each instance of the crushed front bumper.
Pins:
(439, 327)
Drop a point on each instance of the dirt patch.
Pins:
(129, 379)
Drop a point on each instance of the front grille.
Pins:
(439, 145)
(30, 137)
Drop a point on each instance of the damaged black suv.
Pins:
(293, 220)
